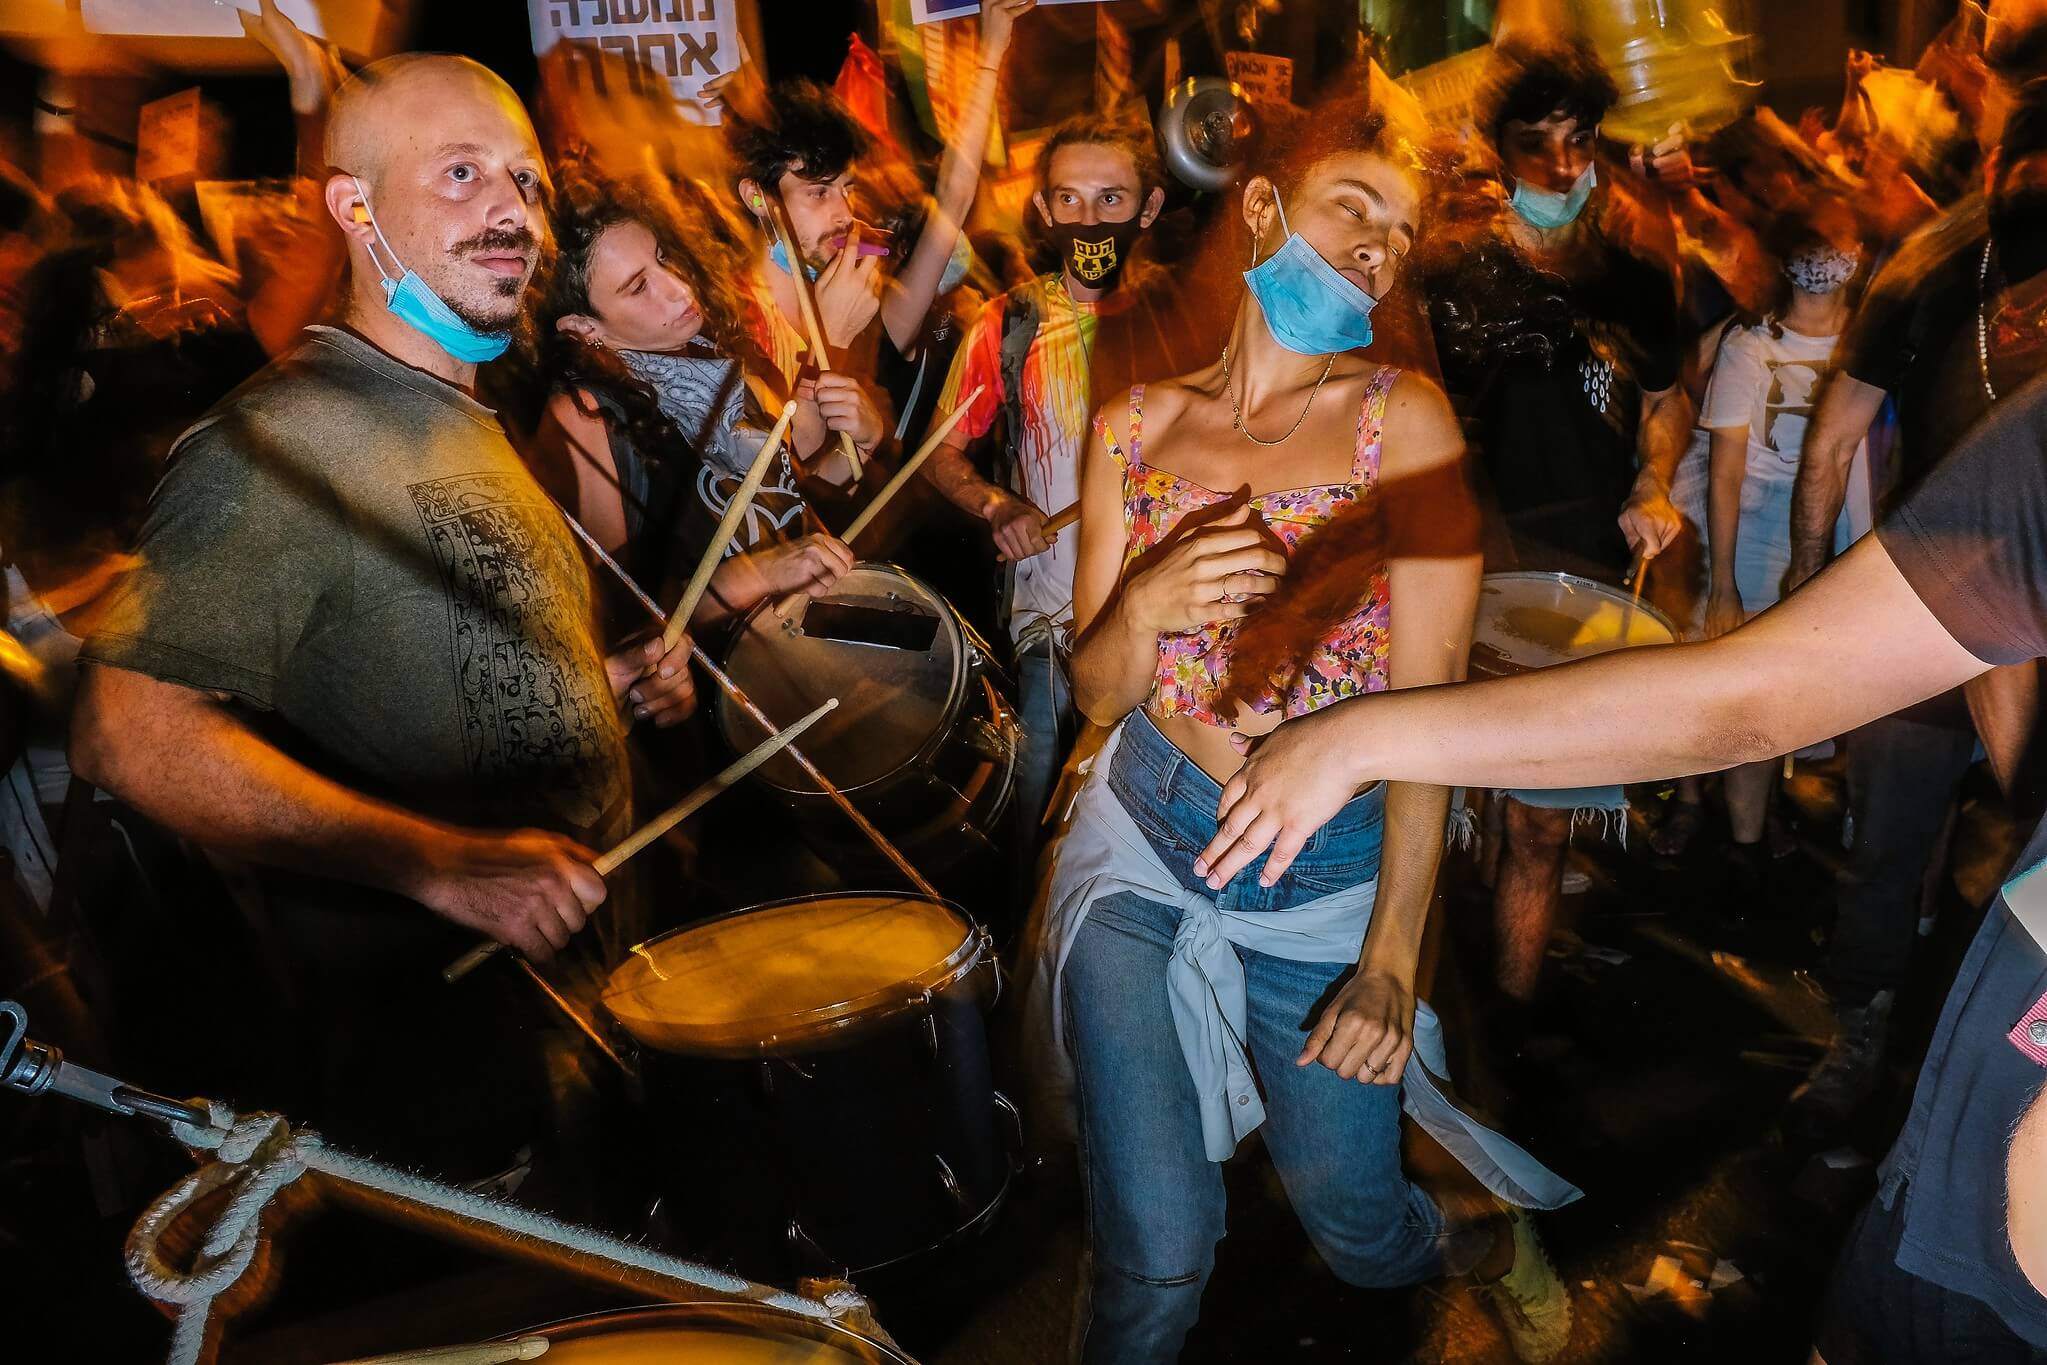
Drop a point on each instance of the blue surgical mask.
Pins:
(426, 312)
(779, 254)
(957, 265)
(1310, 308)
(1543, 208)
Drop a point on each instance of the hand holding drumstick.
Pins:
(609, 862)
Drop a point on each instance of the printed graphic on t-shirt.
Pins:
(513, 624)
(775, 515)
(1788, 404)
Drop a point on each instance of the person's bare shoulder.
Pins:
(1420, 426)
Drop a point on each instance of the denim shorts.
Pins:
(1173, 802)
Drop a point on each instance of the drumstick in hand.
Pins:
(807, 305)
(902, 476)
(1061, 519)
(1636, 576)
(742, 498)
(610, 861)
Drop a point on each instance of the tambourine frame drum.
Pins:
(817, 1078)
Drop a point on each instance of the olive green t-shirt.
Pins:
(352, 545)
(351, 551)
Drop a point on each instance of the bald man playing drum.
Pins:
(357, 653)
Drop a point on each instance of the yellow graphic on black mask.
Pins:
(1094, 260)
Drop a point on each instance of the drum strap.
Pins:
(256, 1155)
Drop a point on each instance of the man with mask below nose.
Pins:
(1560, 345)
(1956, 320)
(357, 653)
(1044, 355)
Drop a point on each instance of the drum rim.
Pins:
(828, 1022)
(954, 703)
(656, 1313)
(1603, 589)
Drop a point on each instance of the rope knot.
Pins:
(255, 1156)
(262, 1136)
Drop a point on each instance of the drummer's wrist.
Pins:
(992, 499)
(1650, 484)
(415, 859)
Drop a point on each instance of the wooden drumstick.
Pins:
(902, 476)
(1060, 520)
(807, 305)
(742, 498)
(1637, 576)
(610, 861)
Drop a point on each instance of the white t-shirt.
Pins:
(1771, 384)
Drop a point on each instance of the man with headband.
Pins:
(357, 653)
(1044, 355)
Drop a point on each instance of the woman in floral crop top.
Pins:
(1195, 494)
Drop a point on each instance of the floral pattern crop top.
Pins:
(1193, 664)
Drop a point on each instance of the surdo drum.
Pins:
(1528, 621)
(922, 740)
(817, 1078)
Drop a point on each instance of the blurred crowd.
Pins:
(1694, 367)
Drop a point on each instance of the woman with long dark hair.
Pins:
(1284, 528)
(650, 421)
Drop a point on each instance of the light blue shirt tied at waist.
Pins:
(1104, 853)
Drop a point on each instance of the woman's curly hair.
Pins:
(587, 204)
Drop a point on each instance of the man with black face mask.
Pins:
(1956, 320)
(1043, 356)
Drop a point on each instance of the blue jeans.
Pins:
(1154, 1199)
(1044, 704)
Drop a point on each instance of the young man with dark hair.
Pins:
(1044, 355)
(806, 153)
(1577, 413)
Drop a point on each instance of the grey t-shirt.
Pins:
(352, 546)
(351, 550)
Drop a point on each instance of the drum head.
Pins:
(711, 1334)
(1532, 620)
(785, 977)
(882, 643)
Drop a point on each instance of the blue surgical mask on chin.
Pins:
(1309, 307)
(426, 312)
(779, 254)
(1543, 208)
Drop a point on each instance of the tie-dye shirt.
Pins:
(1056, 407)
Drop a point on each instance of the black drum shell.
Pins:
(848, 1153)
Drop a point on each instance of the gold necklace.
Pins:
(1237, 413)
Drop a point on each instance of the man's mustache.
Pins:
(498, 239)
